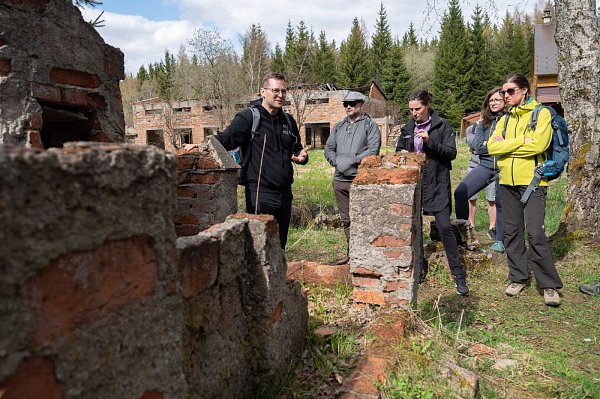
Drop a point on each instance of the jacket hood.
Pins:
(520, 110)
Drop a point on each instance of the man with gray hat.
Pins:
(353, 138)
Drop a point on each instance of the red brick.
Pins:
(185, 191)
(395, 285)
(368, 296)
(34, 139)
(366, 282)
(35, 378)
(276, 315)
(269, 220)
(100, 137)
(207, 163)
(365, 272)
(45, 92)
(185, 219)
(326, 275)
(389, 330)
(389, 241)
(183, 177)
(74, 78)
(152, 395)
(76, 97)
(401, 209)
(5, 66)
(405, 227)
(35, 121)
(388, 176)
(96, 101)
(198, 267)
(205, 178)
(186, 161)
(368, 371)
(82, 287)
(187, 230)
(393, 299)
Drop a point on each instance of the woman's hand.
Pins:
(423, 134)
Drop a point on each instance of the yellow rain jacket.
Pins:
(522, 148)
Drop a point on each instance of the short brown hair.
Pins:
(274, 75)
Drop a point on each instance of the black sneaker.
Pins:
(492, 233)
(462, 288)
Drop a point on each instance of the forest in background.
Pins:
(458, 67)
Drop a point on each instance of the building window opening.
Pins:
(155, 138)
(185, 135)
(64, 124)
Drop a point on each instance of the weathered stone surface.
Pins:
(58, 58)
(464, 382)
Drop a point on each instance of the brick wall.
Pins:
(59, 80)
(207, 188)
(99, 300)
(385, 234)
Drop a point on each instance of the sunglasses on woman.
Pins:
(510, 92)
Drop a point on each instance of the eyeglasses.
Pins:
(510, 92)
(350, 103)
(496, 100)
(277, 92)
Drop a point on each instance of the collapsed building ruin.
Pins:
(98, 295)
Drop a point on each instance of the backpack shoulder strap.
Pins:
(255, 121)
(506, 118)
(534, 116)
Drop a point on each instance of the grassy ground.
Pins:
(556, 350)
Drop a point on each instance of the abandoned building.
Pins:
(156, 123)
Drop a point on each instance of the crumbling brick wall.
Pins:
(207, 187)
(385, 234)
(99, 300)
(59, 81)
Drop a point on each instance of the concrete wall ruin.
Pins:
(99, 300)
(385, 234)
(59, 81)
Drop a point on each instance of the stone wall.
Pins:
(207, 187)
(59, 81)
(99, 300)
(385, 234)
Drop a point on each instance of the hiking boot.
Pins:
(498, 246)
(590, 289)
(492, 233)
(514, 289)
(341, 261)
(462, 288)
(551, 297)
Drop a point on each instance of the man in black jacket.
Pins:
(267, 174)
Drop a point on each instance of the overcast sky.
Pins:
(144, 29)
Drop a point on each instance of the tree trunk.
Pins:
(579, 77)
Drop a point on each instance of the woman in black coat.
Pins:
(432, 135)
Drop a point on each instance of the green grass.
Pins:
(557, 349)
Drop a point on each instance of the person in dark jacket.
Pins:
(486, 172)
(354, 138)
(268, 174)
(429, 133)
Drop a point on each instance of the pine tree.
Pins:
(449, 85)
(142, 75)
(410, 37)
(478, 64)
(395, 80)
(277, 63)
(380, 43)
(353, 66)
(323, 66)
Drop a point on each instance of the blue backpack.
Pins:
(557, 154)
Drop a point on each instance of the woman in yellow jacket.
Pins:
(519, 150)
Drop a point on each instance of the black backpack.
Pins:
(557, 154)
